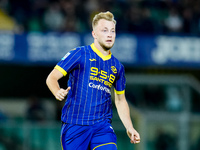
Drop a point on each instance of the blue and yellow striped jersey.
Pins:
(91, 76)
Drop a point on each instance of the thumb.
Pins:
(67, 90)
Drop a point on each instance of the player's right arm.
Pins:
(53, 85)
(66, 64)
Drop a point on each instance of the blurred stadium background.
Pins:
(157, 41)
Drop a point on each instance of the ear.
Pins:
(93, 34)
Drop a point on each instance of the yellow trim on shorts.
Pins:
(105, 144)
(119, 92)
(61, 70)
(61, 142)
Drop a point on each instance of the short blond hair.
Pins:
(103, 15)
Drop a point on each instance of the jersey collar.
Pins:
(99, 53)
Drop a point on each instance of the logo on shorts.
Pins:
(112, 128)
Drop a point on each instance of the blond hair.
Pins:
(103, 15)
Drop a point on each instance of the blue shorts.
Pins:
(99, 136)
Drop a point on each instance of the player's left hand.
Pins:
(133, 135)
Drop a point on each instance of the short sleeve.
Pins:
(69, 61)
(120, 82)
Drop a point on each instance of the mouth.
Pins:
(109, 41)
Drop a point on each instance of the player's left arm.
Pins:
(124, 114)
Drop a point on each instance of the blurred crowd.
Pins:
(133, 16)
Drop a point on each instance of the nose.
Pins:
(110, 34)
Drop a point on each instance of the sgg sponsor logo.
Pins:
(103, 76)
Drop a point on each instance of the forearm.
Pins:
(53, 85)
(124, 113)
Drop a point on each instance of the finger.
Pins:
(59, 99)
(60, 96)
(61, 93)
(136, 139)
(132, 138)
(136, 142)
(67, 90)
(132, 142)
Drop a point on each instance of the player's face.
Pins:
(105, 34)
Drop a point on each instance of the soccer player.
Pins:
(93, 70)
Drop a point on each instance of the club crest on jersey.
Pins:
(66, 56)
(114, 70)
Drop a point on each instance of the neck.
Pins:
(104, 52)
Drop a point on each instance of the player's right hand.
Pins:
(62, 93)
